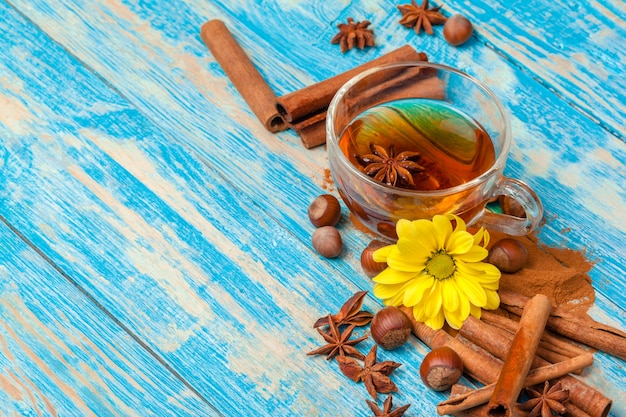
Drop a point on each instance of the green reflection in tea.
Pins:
(453, 148)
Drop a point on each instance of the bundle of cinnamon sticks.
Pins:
(507, 354)
(303, 110)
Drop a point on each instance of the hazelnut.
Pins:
(325, 210)
(441, 368)
(511, 207)
(508, 255)
(327, 241)
(457, 30)
(369, 265)
(390, 328)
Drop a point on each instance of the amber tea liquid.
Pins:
(453, 149)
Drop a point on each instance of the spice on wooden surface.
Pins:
(577, 327)
(520, 356)
(315, 98)
(388, 410)
(328, 183)
(558, 273)
(473, 398)
(338, 344)
(349, 313)
(353, 34)
(243, 74)
(497, 342)
(375, 375)
(418, 17)
(546, 403)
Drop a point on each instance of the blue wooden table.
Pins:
(155, 249)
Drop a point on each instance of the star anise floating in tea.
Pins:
(385, 166)
(374, 375)
(543, 404)
(338, 343)
(418, 17)
(353, 34)
(387, 408)
(350, 313)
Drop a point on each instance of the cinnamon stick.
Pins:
(520, 357)
(581, 329)
(482, 395)
(494, 341)
(403, 83)
(484, 355)
(314, 99)
(243, 74)
(565, 347)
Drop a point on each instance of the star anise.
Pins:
(374, 375)
(387, 406)
(338, 344)
(353, 34)
(545, 403)
(419, 17)
(350, 313)
(384, 166)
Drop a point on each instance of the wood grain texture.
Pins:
(60, 355)
(129, 160)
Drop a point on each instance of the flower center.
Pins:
(441, 265)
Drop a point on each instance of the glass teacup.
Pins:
(412, 140)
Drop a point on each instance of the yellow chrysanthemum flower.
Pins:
(437, 271)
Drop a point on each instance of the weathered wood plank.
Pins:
(193, 102)
(182, 259)
(62, 355)
(195, 263)
(574, 49)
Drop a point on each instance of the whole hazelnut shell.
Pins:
(511, 207)
(390, 328)
(457, 30)
(441, 368)
(368, 264)
(508, 255)
(325, 210)
(327, 241)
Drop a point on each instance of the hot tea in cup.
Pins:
(412, 140)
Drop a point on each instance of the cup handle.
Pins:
(526, 197)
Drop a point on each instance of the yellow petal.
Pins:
(481, 271)
(409, 257)
(414, 248)
(397, 299)
(443, 229)
(473, 254)
(475, 311)
(392, 276)
(436, 322)
(385, 292)
(472, 289)
(482, 235)
(381, 254)
(418, 313)
(459, 243)
(432, 300)
(416, 289)
(454, 319)
(493, 300)
(464, 306)
(425, 232)
(404, 228)
(460, 223)
(450, 295)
